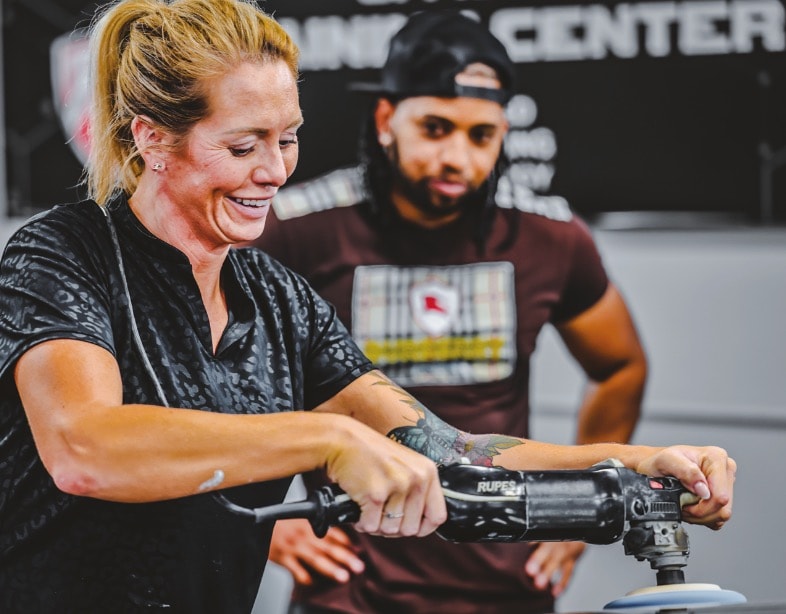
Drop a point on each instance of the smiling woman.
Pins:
(215, 184)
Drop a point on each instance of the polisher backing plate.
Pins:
(675, 596)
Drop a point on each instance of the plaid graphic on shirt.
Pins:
(445, 325)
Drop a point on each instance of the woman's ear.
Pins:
(145, 132)
(148, 138)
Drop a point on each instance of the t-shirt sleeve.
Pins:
(585, 277)
(328, 357)
(334, 359)
(50, 289)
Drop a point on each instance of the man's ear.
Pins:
(382, 116)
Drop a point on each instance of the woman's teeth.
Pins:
(251, 203)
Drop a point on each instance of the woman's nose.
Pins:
(271, 168)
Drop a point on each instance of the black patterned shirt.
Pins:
(284, 349)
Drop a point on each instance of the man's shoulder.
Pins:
(336, 189)
(547, 219)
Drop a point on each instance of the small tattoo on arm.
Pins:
(441, 442)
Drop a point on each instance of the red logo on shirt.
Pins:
(434, 305)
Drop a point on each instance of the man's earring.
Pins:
(157, 166)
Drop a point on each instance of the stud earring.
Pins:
(385, 139)
(157, 166)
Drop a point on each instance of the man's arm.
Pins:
(604, 341)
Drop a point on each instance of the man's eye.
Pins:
(239, 152)
(482, 136)
(434, 129)
(288, 142)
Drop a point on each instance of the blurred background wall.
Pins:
(662, 123)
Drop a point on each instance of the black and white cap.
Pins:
(431, 49)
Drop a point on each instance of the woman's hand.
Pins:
(708, 472)
(397, 489)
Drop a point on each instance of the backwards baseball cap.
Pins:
(431, 49)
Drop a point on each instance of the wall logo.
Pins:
(69, 63)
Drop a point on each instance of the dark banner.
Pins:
(660, 107)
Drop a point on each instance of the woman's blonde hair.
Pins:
(152, 58)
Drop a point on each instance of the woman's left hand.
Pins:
(709, 472)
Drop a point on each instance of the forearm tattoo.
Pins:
(442, 443)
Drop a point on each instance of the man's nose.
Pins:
(456, 151)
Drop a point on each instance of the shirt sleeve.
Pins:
(328, 357)
(586, 279)
(50, 289)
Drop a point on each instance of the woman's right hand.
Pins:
(397, 489)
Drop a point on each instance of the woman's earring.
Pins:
(385, 139)
(157, 166)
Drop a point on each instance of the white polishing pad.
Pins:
(675, 596)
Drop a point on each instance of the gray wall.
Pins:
(710, 307)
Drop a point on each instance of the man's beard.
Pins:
(433, 207)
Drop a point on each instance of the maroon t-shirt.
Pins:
(456, 325)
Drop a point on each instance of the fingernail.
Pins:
(701, 489)
(342, 575)
(357, 566)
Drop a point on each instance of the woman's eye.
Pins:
(239, 152)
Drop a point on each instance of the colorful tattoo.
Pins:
(442, 443)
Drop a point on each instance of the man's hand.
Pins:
(295, 547)
(551, 564)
